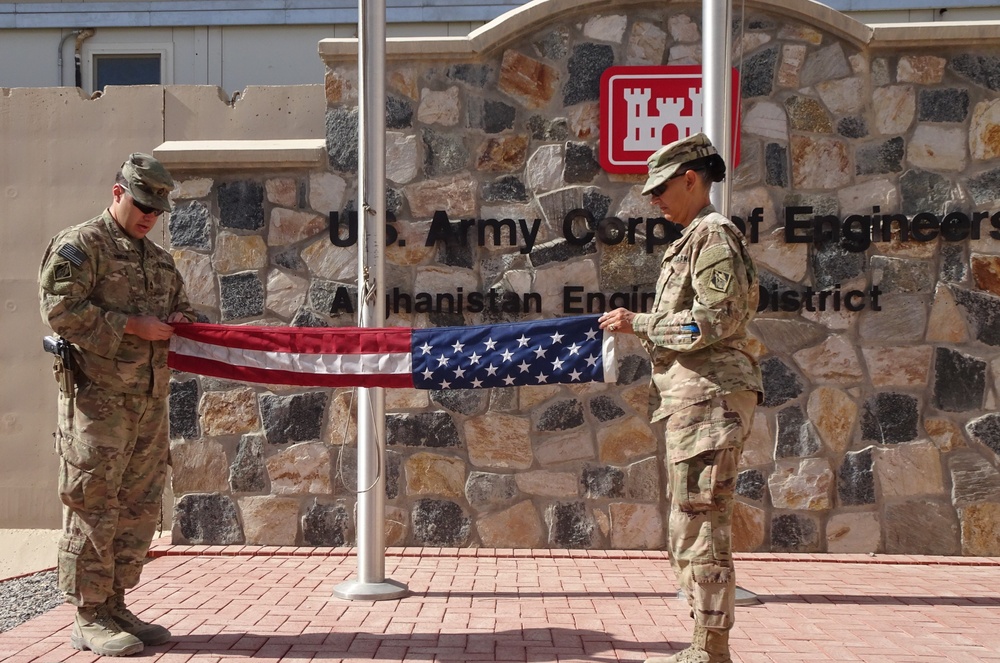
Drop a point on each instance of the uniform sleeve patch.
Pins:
(73, 254)
(62, 271)
(720, 280)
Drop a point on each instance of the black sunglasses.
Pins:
(145, 209)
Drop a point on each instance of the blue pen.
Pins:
(691, 328)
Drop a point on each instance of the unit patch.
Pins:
(73, 254)
(61, 271)
(720, 280)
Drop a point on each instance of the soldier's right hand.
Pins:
(149, 328)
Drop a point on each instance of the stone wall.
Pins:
(878, 432)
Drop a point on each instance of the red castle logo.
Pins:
(644, 108)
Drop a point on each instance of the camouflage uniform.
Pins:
(112, 440)
(705, 386)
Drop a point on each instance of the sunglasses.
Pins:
(145, 209)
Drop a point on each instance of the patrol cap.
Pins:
(666, 161)
(148, 181)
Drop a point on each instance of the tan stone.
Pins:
(531, 396)
(642, 480)
(984, 132)
(946, 323)
(282, 191)
(946, 435)
(789, 260)
(646, 44)
(289, 226)
(792, 57)
(986, 273)
(819, 163)
(199, 277)
(894, 107)
(748, 43)
(860, 198)
(455, 194)
(683, 29)
(406, 399)
(326, 192)
(602, 520)
(195, 188)
(759, 447)
(529, 81)
(636, 526)
(684, 54)
(833, 413)
(403, 80)
(805, 484)
(898, 367)
(548, 484)
(439, 107)
(330, 262)
(342, 417)
(270, 520)
(905, 470)
(285, 293)
(441, 278)
(585, 120)
(301, 468)
(842, 96)
(396, 526)
(551, 279)
(625, 441)
(228, 412)
(748, 527)
(565, 448)
(238, 253)
(981, 529)
(401, 157)
(502, 153)
(409, 248)
(637, 398)
(938, 148)
(342, 85)
(920, 69)
(853, 533)
(198, 466)
(520, 526)
(499, 441)
(431, 474)
(833, 361)
(793, 32)
(544, 170)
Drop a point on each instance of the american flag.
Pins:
(559, 350)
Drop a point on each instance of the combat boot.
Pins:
(94, 629)
(707, 646)
(150, 634)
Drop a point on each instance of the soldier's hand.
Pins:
(149, 328)
(177, 316)
(619, 320)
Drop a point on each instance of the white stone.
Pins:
(689, 54)
(898, 366)
(636, 205)
(894, 106)
(646, 44)
(766, 120)
(683, 29)
(301, 468)
(833, 361)
(285, 293)
(194, 188)
(563, 448)
(786, 259)
(842, 96)
(759, 448)
(750, 42)
(283, 191)
(938, 148)
(401, 159)
(326, 192)
(803, 485)
(289, 226)
(819, 163)
(606, 28)
(439, 107)
(550, 281)
(330, 262)
(792, 57)
(853, 533)
(199, 277)
(906, 470)
(860, 198)
(984, 133)
(923, 69)
(544, 169)
(441, 278)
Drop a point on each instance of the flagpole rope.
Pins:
(343, 445)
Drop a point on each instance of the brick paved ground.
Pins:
(276, 604)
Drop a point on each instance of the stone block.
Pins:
(497, 440)
(198, 466)
(301, 468)
(909, 470)
(520, 526)
(423, 429)
(269, 520)
(440, 523)
(625, 441)
(486, 490)
(907, 524)
(636, 526)
(231, 412)
(530, 82)
(328, 525)
(433, 474)
(183, 408)
(803, 485)
(570, 526)
(293, 418)
(791, 532)
(210, 519)
(856, 478)
(748, 527)
(852, 533)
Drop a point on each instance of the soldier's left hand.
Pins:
(619, 320)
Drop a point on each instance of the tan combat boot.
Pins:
(150, 634)
(707, 646)
(94, 629)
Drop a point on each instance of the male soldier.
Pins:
(704, 386)
(109, 291)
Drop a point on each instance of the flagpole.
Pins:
(717, 82)
(371, 583)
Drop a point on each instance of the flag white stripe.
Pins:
(393, 363)
(609, 359)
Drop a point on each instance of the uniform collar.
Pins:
(123, 240)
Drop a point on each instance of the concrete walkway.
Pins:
(276, 604)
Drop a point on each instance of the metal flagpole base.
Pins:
(743, 596)
(355, 590)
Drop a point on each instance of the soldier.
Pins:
(109, 292)
(704, 387)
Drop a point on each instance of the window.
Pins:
(132, 69)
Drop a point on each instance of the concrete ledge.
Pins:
(938, 35)
(189, 155)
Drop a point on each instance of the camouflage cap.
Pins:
(667, 160)
(148, 181)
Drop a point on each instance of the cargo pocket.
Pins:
(694, 490)
(711, 582)
(82, 481)
(70, 548)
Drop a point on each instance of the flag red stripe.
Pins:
(303, 340)
(218, 369)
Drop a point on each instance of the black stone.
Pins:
(751, 484)
(983, 312)
(342, 138)
(856, 478)
(923, 191)
(570, 526)
(241, 205)
(505, 189)
(781, 383)
(959, 381)
(632, 368)
(880, 158)
(889, 418)
(393, 200)
(796, 437)
(443, 153)
(981, 69)
(556, 130)
(440, 523)
(456, 253)
(554, 45)
(425, 429)
(183, 407)
(954, 267)
(326, 525)
(486, 489)
(560, 251)
(463, 401)
(289, 259)
(794, 533)
(586, 66)
(294, 418)
(580, 166)
(208, 519)
(476, 75)
(248, 474)
(604, 481)
(833, 264)
(758, 72)
(497, 117)
(776, 164)
(986, 430)
(822, 204)
(604, 408)
(398, 114)
(191, 225)
(943, 105)
(306, 318)
(985, 187)
(596, 203)
(393, 470)
(852, 127)
(562, 415)
(323, 294)
(242, 296)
